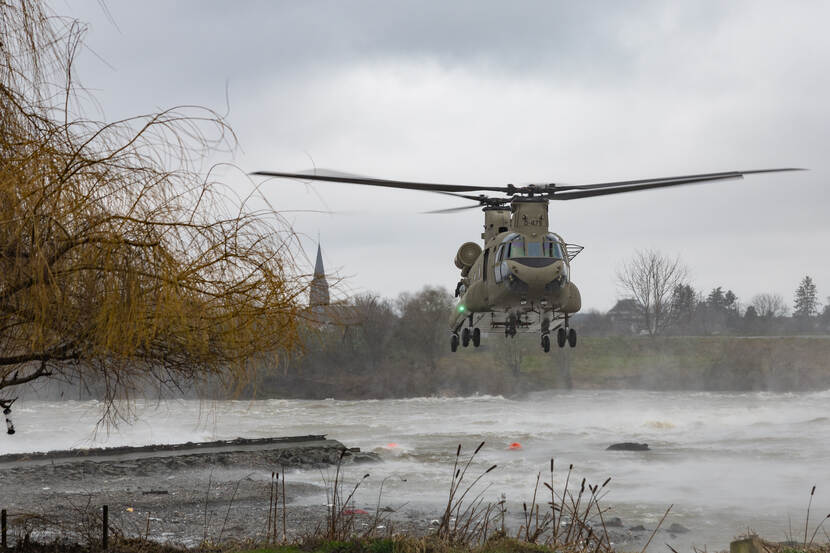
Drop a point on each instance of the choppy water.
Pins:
(728, 462)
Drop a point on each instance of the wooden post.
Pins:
(105, 540)
(3, 528)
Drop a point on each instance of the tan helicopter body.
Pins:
(522, 275)
(524, 269)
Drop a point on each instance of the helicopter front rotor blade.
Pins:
(648, 184)
(629, 185)
(432, 187)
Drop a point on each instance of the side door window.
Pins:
(485, 268)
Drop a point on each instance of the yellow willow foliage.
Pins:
(118, 261)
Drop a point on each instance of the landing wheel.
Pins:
(476, 337)
(572, 337)
(561, 337)
(454, 342)
(465, 337)
(546, 343)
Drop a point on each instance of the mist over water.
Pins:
(727, 461)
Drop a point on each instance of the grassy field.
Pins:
(731, 363)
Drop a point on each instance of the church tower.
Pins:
(319, 293)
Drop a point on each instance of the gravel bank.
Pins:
(183, 494)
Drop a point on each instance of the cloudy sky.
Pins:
(490, 93)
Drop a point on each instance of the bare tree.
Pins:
(119, 261)
(769, 306)
(651, 278)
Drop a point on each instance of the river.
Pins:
(728, 462)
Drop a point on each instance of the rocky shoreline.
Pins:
(182, 493)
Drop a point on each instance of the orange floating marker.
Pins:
(355, 512)
(515, 445)
(391, 445)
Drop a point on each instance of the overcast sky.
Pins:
(492, 93)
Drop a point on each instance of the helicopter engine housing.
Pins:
(466, 256)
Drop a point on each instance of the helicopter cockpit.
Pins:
(540, 252)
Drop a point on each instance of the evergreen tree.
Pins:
(683, 302)
(806, 299)
(716, 297)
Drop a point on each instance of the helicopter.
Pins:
(521, 275)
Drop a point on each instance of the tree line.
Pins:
(659, 299)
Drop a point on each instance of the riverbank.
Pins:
(180, 493)
(518, 366)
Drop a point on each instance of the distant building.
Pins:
(626, 316)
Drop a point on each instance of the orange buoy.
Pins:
(515, 445)
(391, 445)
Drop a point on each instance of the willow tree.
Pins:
(120, 262)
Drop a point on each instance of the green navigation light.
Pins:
(461, 308)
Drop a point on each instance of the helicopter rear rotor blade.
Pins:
(452, 209)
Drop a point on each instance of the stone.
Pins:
(614, 522)
(627, 446)
(750, 544)
(676, 528)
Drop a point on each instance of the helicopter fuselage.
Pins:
(522, 268)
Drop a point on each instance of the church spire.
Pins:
(319, 270)
(319, 292)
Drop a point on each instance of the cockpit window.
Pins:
(516, 248)
(552, 246)
(513, 245)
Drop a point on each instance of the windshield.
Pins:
(516, 247)
(552, 247)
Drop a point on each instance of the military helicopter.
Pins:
(522, 274)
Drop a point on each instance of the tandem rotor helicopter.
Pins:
(522, 274)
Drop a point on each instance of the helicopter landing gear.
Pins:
(572, 337)
(465, 337)
(546, 335)
(476, 337)
(565, 334)
(510, 325)
(454, 342)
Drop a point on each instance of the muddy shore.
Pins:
(189, 493)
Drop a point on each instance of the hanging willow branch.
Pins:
(119, 261)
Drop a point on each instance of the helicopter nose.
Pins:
(537, 272)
